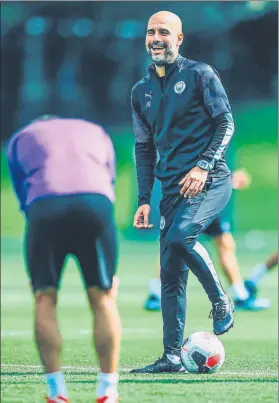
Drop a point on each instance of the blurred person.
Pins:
(63, 174)
(219, 231)
(259, 272)
(181, 110)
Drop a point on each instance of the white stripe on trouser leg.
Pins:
(206, 258)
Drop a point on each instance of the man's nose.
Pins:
(156, 36)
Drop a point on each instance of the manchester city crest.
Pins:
(162, 223)
(179, 87)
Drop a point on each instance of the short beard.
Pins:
(161, 61)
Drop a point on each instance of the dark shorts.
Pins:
(80, 225)
(219, 226)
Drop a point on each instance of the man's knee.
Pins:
(45, 301)
(103, 298)
(183, 237)
(225, 243)
(45, 310)
(46, 296)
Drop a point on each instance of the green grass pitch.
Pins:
(249, 374)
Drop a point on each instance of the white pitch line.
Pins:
(89, 369)
(15, 333)
(127, 370)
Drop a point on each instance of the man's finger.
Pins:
(185, 186)
(137, 218)
(183, 180)
(138, 225)
(197, 189)
(142, 226)
(200, 188)
(190, 192)
(145, 220)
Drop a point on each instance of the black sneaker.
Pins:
(161, 365)
(251, 288)
(222, 314)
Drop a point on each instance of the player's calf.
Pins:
(48, 341)
(107, 334)
(47, 334)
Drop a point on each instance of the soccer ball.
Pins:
(202, 353)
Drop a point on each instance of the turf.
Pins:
(249, 374)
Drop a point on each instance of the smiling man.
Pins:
(181, 110)
(163, 49)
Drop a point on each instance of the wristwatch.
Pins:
(204, 165)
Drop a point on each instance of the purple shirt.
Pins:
(61, 157)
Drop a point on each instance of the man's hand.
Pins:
(193, 183)
(141, 218)
(241, 179)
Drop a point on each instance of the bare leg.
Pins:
(260, 270)
(48, 337)
(107, 327)
(226, 249)
(272, 261)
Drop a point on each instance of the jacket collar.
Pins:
(169, 67)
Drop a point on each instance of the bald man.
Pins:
(181, 110)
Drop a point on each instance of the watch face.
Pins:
(203, 164)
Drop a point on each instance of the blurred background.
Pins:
(82, 59)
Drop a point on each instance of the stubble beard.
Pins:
(162, 60)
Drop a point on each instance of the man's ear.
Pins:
(180, 38)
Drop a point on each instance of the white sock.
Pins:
(155, 287)
(258, 273)
(107, 384)
(56, 384)
(174, 358)
(238, 291)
